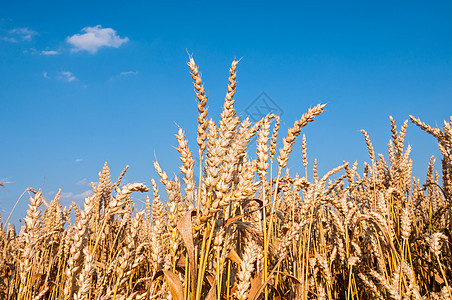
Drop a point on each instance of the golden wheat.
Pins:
(246, 229)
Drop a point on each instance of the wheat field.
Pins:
(246, 229)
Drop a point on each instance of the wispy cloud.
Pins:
(78, 159)
(5, 181)
(84, 181)
(93, 38)
(128, 73)
(80, 196)
(33, 51)
(20, 34)
(50, 52)
(67, 76)
(124, 74)
(8, 39)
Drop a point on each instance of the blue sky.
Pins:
(83, 82)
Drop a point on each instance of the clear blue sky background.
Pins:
(68, 103)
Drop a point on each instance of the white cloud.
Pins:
(128, 73)
(8, 39)
(67, 76)
(124, 74)
(94, 38)
(33, 51)
(5, 181)
(80, 196)
(24, 34)
(84, 181)
(50, 52)
(78, 159)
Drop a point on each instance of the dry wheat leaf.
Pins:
(175, 285)
(212, 295)
(256, 283)
(234, 257)
(181, 261)
(38, 276)
(232, 220)
(258, 287)
(185, 228)
(245, 203)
